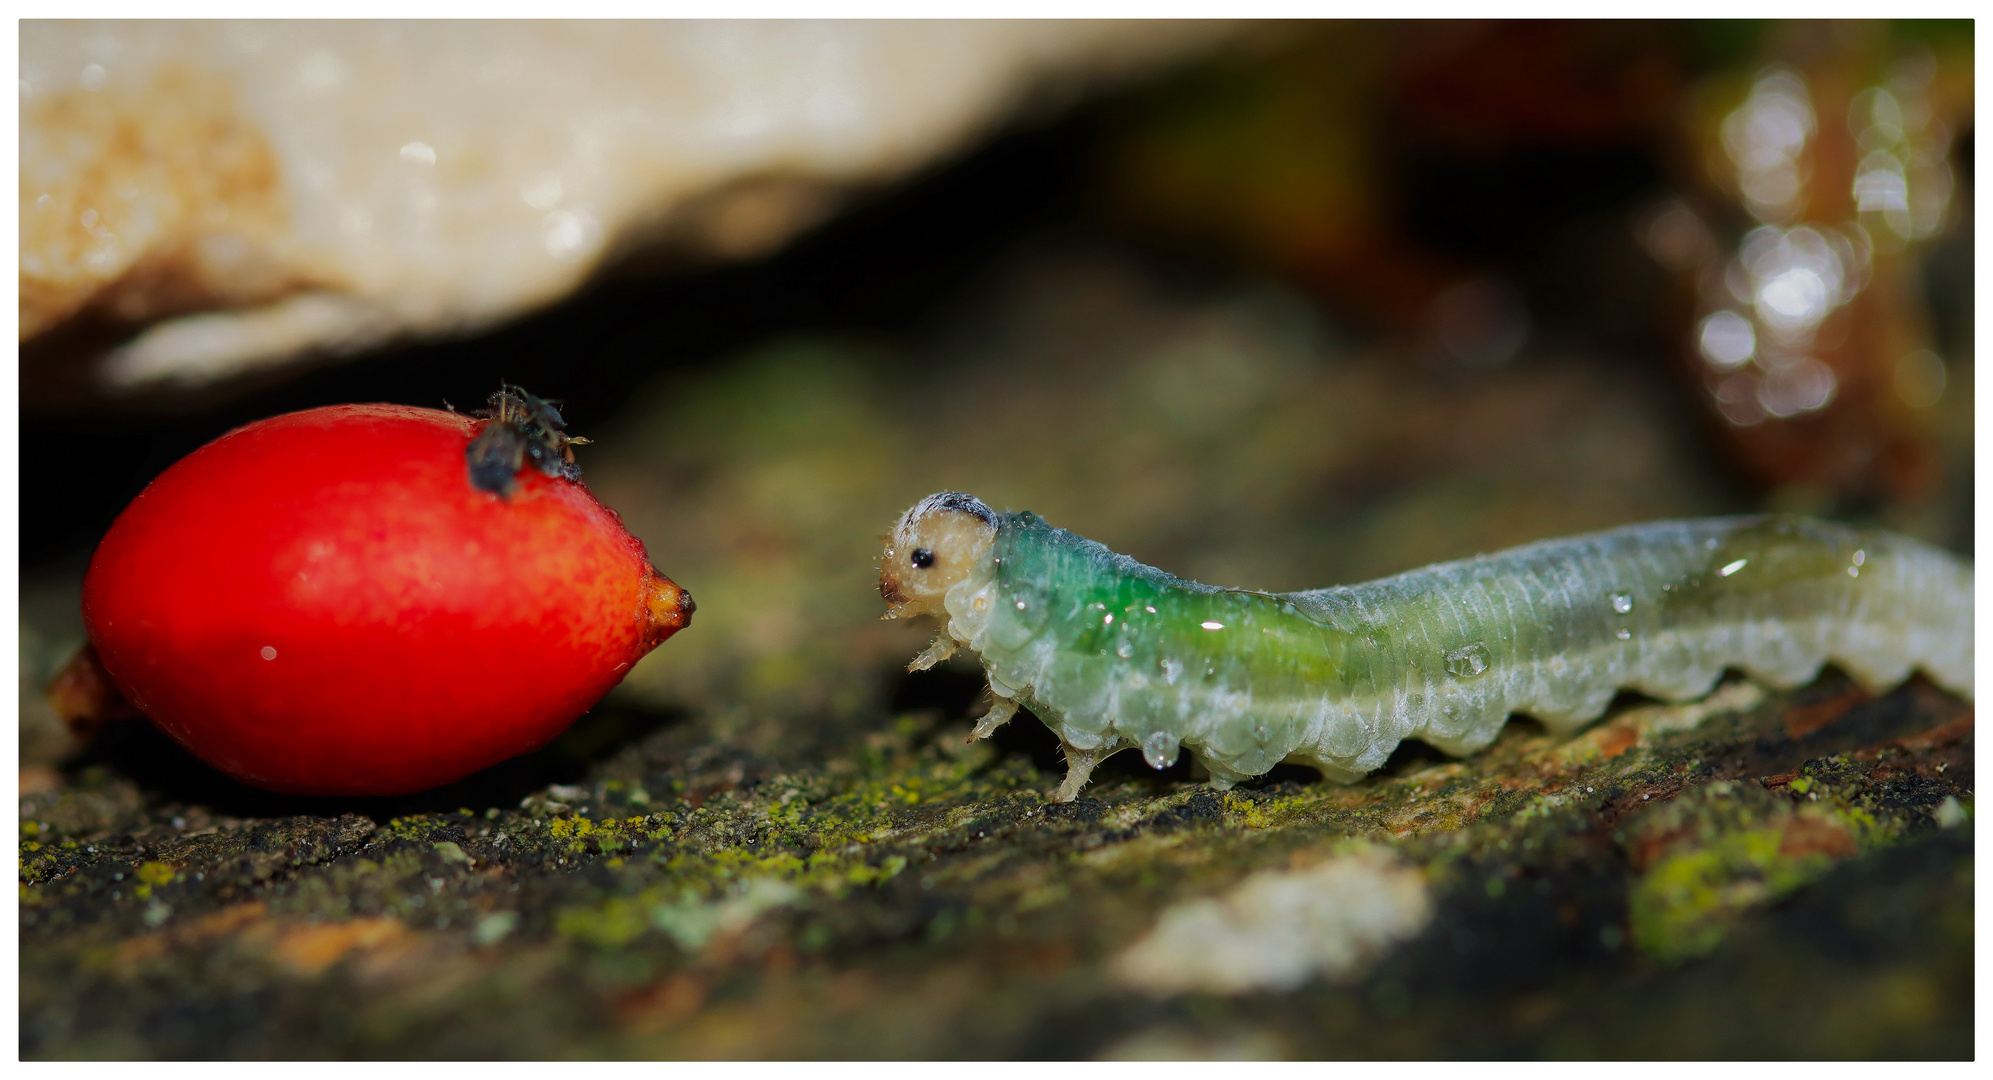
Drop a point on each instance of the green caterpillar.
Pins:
(1113, 654)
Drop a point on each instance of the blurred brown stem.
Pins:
(85, 697)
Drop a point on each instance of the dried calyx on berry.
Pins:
(523, 429)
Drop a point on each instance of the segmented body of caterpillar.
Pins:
(1112, 654)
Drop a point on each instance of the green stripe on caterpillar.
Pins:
(1113, 654)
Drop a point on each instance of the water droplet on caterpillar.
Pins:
(1124, 650)
(1467, 661)
(1624, 634)
(1159, 750)
(1622, 602)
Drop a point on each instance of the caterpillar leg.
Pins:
(1079, 766)
(999, 715)
(1220, 776)
(941, 648)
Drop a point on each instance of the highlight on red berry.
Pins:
(373, 599)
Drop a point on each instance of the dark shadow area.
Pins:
(962, 693)
(1545, 923)
(947, 689)
(1285, 773)
(1028, 735)
(170, 774)
(1411, 756)
(1498, 208)
(1129, 764)
(1621, 701)
(1834, 716)
(1529, 727)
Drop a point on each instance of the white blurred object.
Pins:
(1903, 187)
(1727, 339)
(330, 185)
(1767, 139)
(1280, 928)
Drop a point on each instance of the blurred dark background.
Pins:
(1373, 293)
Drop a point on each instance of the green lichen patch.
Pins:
(1725, 847)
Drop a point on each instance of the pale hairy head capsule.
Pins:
(935, 544)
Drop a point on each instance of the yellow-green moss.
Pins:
(1725, 848)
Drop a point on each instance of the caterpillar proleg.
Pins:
(1113, 654)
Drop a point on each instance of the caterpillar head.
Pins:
(935, 544)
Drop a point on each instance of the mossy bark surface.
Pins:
(1761, 874)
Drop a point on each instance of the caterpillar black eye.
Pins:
(923, 558)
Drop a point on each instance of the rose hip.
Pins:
(373, 599)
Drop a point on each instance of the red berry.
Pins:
(324, 603)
